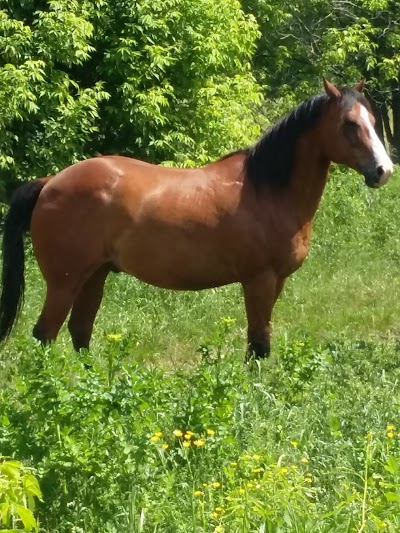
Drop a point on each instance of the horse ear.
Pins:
(360, 86)
(331, 90)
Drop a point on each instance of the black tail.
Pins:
(16, 223)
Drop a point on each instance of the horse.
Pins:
(245, 218)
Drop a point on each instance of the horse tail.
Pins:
(16, 224)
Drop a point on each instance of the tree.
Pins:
(163, 80)
(343, 39)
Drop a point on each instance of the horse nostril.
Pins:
(380, 170)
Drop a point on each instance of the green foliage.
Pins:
(307, 441)
(303, 41)
(18, 490)
(160, 80)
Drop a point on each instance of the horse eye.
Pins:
(350, 130)
(350, 124)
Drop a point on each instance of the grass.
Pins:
(170, 432)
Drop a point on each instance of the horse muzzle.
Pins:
(377, 176)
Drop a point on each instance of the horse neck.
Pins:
(308, 180)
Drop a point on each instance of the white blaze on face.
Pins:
(379, 153)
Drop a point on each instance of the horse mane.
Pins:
(271, 159)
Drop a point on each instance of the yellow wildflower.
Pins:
(216, 484)
(115, 337)
(294, 443)
(233, 464)
(198, 493)
(304, 460)
(155, 438)
(205, 484)
(249, 485)
(257, 470)
(210, 432)
(214, 515)
(188, 435)
(390, 434)
(390, 427)
(241, 491)
(199, 443)
(219, 529)
(158, 434)
(177, 433)
(284, 470)
(256, 457)
(368, 436)
(186, 444)
(165, 446)
(218, 510)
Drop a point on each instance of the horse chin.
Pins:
(371, 182)
(371, 185)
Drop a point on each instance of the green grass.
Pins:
(289, 451)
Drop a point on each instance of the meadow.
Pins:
(162, 428)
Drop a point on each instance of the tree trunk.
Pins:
(395, 142)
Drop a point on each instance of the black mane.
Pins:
(270, 160)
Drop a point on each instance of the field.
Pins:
(169, 431)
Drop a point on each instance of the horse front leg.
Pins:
(260, 295)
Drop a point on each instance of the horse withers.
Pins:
(245, 218)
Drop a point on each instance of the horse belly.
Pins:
(176, 260)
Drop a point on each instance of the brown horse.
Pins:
(245, 218)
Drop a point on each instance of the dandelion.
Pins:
(158, 434)
(241, 491)
(249, 485)
(188, 435)
(304, 460)
(198, 493)
(155, 438)
(390, 434)
(219, 510)
(177, 433)
(214, 515)
(256, 457)
(216, 484)
(294, 443)
(247, 457)
(219, 529)
(199, 443)
(165, 446)
(257, 470)
(115, 337)
(186, 444)
(368, 436)
(210, 432)
(308, 478)
(284, 470)
(205, 484)
(390, 427)
(233, 464)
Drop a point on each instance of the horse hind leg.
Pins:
(85, 308)
(56, 307)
